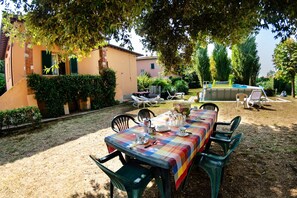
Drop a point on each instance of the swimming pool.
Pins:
(225, 94)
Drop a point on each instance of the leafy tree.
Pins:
(77, 27)
(285, 60)
(222, 62)
(169, 27)
(201, 61)
(270, 73)
(245, 61)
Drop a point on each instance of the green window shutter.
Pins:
(46, 61)
(73, 66)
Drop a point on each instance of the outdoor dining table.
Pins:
(172, 154)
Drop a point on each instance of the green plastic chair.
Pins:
(214, 164)
(145, 113)
(224, 135)
(210, 106)
(131, 177)
(234, 123)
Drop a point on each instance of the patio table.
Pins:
(172, 154)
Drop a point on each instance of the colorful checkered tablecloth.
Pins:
(171, 151)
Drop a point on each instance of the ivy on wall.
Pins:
(56, 91)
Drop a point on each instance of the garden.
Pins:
(53, 160)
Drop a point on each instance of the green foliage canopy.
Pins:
(170, 28)
(285, 60)
(76, 27)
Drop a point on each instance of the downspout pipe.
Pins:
(11, 72)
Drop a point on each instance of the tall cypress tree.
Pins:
(222, 62)
(245, 61)
(202, 64)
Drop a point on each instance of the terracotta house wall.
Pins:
(145, 65)
(121, 61)
(15, 57)
(19, 95)
(89, 65)
(126, 72)
(7, 60)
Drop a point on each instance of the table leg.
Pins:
(166, 180)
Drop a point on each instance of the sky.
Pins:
(265, 46)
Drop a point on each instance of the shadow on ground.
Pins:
(264, 165)
(29, 141)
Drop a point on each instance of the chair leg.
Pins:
(111, 189)
(214, 174)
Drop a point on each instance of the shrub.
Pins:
(161, 82)
(2, 84)
(181, 86)
(19, 116)
(174, 79)
(143, 82)
(54, 92)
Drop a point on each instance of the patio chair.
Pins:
(145, 113)
(121, 122)
(138, 101)
(151, 100)
(210, 106)
(254, 98)
(224, 135)
(177, 95)
(131, 177)
(241, 98)
(214, 164)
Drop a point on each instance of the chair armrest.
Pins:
(219, 140)
(220, 123)
(212, 157)
(222, 132)
(109, 157)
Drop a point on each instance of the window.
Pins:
(152, 66)
(73, 65)
(48, 60)
(142, 71)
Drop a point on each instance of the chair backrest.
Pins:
(144, 98)
(117, 180)
(135, 98)
(256, 94)
(241, 96)
(121, 122)
(145, 113)
(235, 123)
(209, 106)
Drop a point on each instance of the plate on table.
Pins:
(162, 128)
(183, 134)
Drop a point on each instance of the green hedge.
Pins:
(19, 116)
(55, 91)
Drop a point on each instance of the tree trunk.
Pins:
(293, 86)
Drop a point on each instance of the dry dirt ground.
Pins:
(53, 160)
